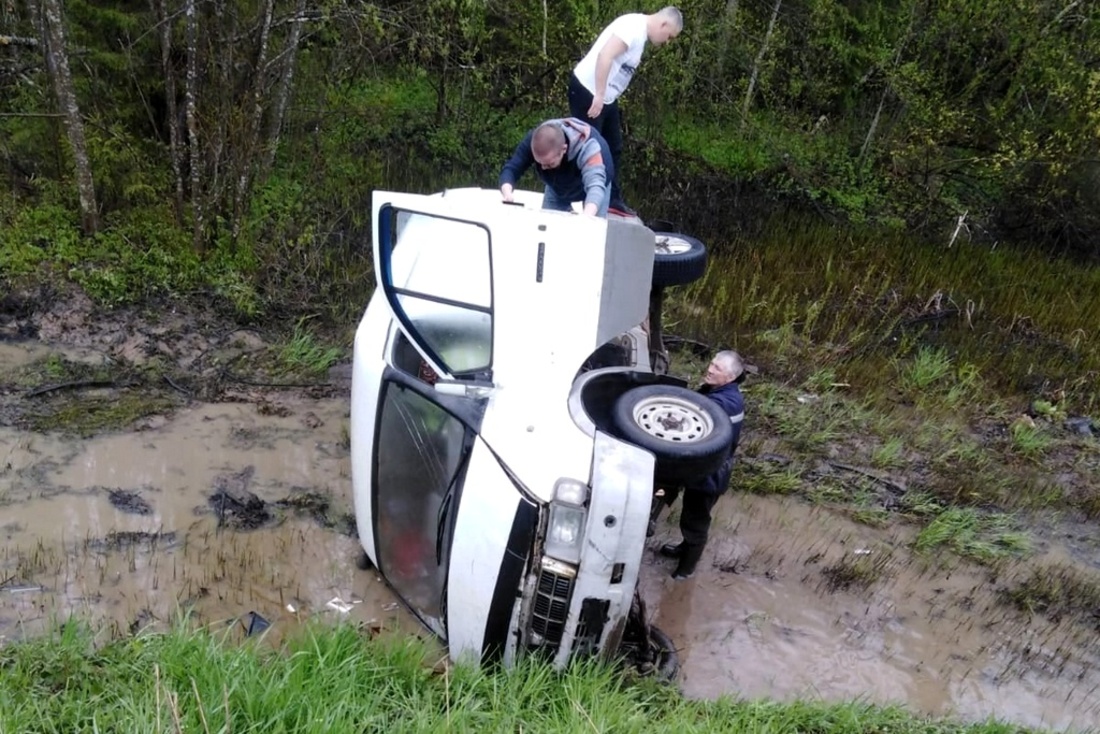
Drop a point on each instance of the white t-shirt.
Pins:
(631, 30)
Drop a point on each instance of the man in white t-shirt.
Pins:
(606, 70)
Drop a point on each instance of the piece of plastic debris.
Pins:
(390, 607)
(256, 624)
(21, 589)
(807, 398)
(290, 608)
(862, 551)
(339, 605)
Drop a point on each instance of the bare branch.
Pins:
(18, 41)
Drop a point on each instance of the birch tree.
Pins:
(164, 21)
(760, 55)
(57, 63)
(191, 94)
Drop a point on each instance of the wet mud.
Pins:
(765, 617)
(238, 514)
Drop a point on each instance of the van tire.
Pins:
(678, 260)
(689, 434)
(666, 659)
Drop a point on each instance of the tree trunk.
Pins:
(872, 130)
(251, 134)
(221, 98)
(286, 84)
(191, 92)
(175, 151)
(57, 62)
(756, 64)
(728, 20)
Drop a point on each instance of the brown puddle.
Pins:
(760, 620)
(67, 547)
(763, 618)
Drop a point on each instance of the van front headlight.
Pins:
(568, 516)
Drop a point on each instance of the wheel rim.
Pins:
(672, 419)
(668, 244)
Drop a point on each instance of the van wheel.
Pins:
(667, 660)
(679, 259)
(689, 434)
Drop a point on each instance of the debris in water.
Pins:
(129, 501)
(339, 605)
(256, 624)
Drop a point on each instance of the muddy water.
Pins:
(762, 619)
(119, 529)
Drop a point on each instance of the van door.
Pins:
(435, 270)
(427, 350)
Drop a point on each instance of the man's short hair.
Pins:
(731, 363)
(548, 138)
(672, 14)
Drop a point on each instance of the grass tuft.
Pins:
(304, 353)
(969, 533)
(1058, 591)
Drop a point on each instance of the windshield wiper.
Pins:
(448, 497)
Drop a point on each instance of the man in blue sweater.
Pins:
(571, 159)
(721, 384)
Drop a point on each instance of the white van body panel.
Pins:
(485, 516)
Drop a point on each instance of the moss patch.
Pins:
(86, 415)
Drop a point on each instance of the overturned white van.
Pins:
(495, 371)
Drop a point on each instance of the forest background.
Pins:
(231, 146)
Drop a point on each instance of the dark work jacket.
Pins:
(587, 162)
(730, 400)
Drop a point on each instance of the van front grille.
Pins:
(551, 608)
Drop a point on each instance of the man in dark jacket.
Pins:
(571, 158)
(720, 384)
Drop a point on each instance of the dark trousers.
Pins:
(695, 515)
(608, 123)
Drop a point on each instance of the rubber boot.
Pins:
(672, 550)
(689, 559)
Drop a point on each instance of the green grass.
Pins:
(889, 454)
(925, 369)
(983, 537)
(1029, 439)
(864, 307)
(766, 478)
(1058, 591)
(336, 679)
(303, 352)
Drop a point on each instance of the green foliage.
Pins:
(1029, 440)
(766, 478)
(304, 353)
(890, 453)
(969, 533)
(36, 235)
(927, 367)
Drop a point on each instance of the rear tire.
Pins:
(679, 259)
